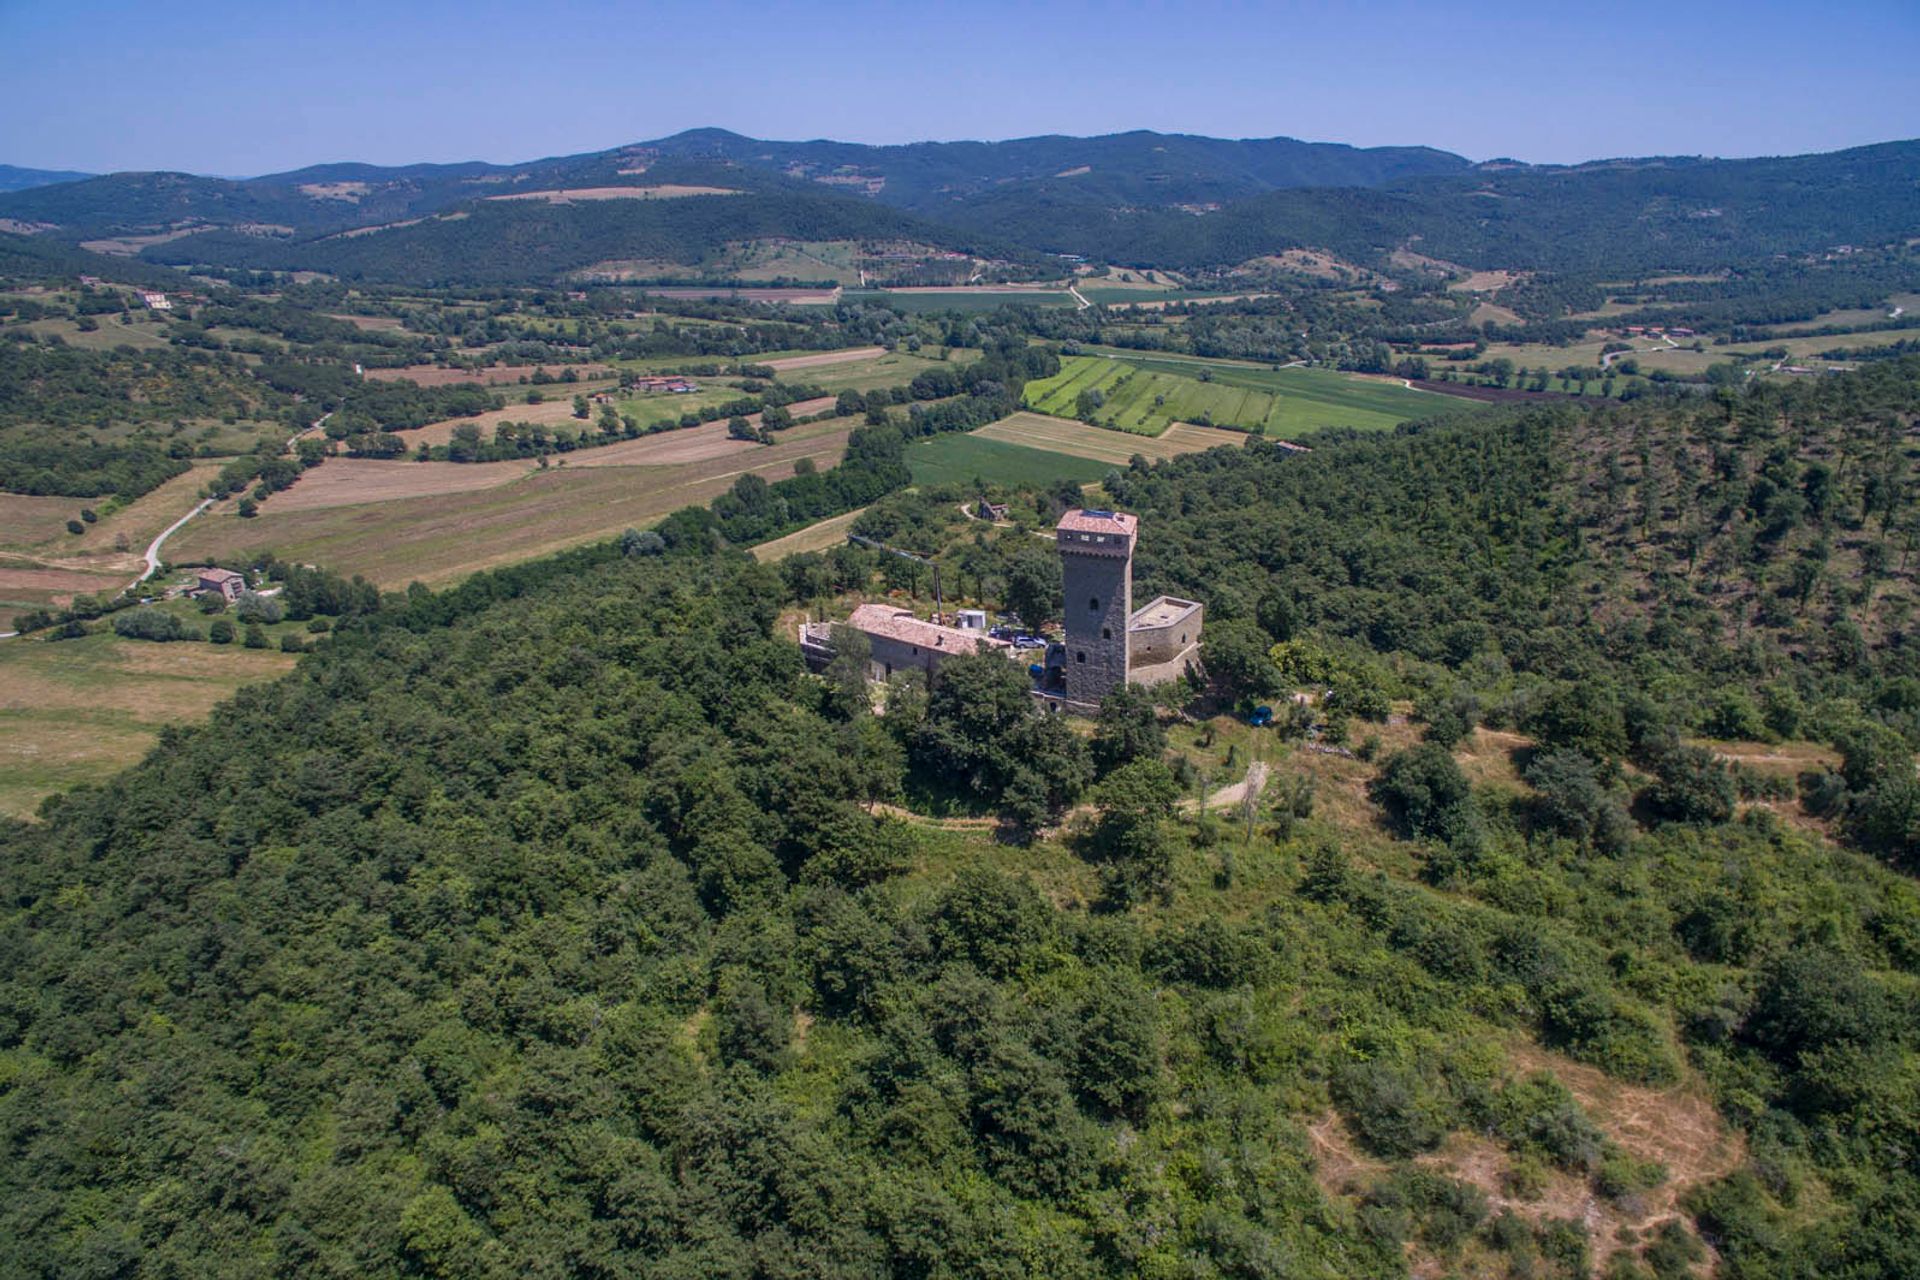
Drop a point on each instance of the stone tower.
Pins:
(1096, 563)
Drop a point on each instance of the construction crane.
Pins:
(939, 609)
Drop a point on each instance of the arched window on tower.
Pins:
(1093, 604)
(1106, 633)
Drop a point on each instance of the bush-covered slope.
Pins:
(1624, 217)
(547, 927)
(532, 242)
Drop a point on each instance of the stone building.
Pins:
(1109, 643)
(899, 641)
(1096, 576)
(221, 582)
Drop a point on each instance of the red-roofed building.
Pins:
(223, 582)
(899, 640)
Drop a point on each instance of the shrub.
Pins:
(1693, 785)
(1390, 1109)
(1574, 801)
(151, 624)
(1426, 796)
(221, 632)
(252, 607)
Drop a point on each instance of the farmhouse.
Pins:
(221, 582)
(677, 386)
(156, 301)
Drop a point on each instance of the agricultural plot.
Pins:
(887, 369)
(79, 711)
(963, 459)
(822, 535)
(1110, 448)
(1145, 395)
(821, 260)
(42, 565)
(415, 532)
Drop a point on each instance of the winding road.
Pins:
(153, 548)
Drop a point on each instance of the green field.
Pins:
(894, 369)
(962, 459)
(1143, 395)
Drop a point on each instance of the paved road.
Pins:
(153, 548)
(1606, 361)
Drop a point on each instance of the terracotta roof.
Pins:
(900, 624)
(220, 575)
(1079, 521)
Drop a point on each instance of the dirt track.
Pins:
(825, 357)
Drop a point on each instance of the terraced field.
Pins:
(1143, 395)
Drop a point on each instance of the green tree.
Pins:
(1034, 586)
(1235, 656)
(1426, 796)
(1127, 729)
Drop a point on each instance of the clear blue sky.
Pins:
(245, 88)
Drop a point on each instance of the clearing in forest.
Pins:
(664, 191)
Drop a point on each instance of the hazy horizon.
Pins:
(233, 89)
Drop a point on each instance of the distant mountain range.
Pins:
(14, 178)
(1126, 170)
(1137, 198)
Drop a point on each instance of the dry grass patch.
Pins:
(1063, 435)
(27, 521)
(1487, 313)
(556, 410)
(1484, 282)
(443, 537)
(787, 363)
(1486, 756)
(341, 482)
(821, 536)
(81, 710)
(370, 323)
